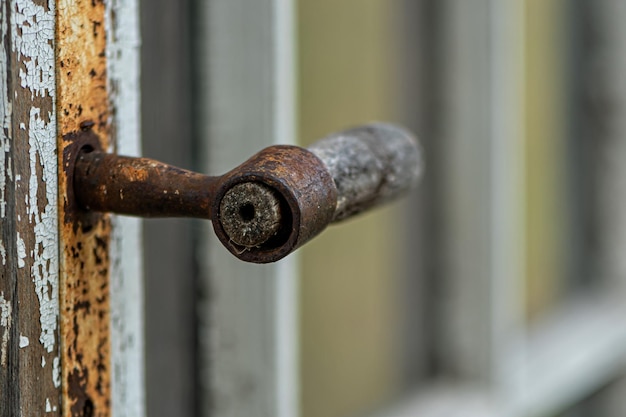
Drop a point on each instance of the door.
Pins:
(70, 289)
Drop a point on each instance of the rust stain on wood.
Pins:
(84, 288)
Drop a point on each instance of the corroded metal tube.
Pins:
(271, 204)
(370, 165)
(140, 187)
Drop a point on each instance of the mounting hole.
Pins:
(87, 149)
(247, 212)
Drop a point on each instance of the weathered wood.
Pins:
(49, 367)
(84, 284)
(29, 306)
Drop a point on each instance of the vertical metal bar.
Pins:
(84, 286)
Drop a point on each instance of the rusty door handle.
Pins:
(271, 204)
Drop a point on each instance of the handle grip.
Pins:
(370, 165)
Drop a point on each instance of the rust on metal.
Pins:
(306, 193)
(271, 204)
(83, 117)
(140, 186)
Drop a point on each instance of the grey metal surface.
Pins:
(370, 164)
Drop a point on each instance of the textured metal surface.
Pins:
(83, 114)
(271, 204)
(250, 213)
(307, 200)
(140, 187)
(370, 165)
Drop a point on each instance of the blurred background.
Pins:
(499, 283)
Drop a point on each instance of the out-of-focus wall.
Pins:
(545, 153)
(347, 60)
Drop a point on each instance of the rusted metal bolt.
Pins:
(271, 204)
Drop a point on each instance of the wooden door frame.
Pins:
(64, 65)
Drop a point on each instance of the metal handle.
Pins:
(271, 204)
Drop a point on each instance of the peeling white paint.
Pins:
(5, 322)
(49, 407)
(33, 37)
(5, 161)
(21, 251)
(42, 139)
(5, 114)
(37, 43)
(24, 342)
(56, 372)
(3, 253)
(43, 362)
(33, 33)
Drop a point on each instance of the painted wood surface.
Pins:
(30, 373)
(55, 323)
(482, 189)
(248, 313)
(126, 278)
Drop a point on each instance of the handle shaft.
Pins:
(141, 187)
